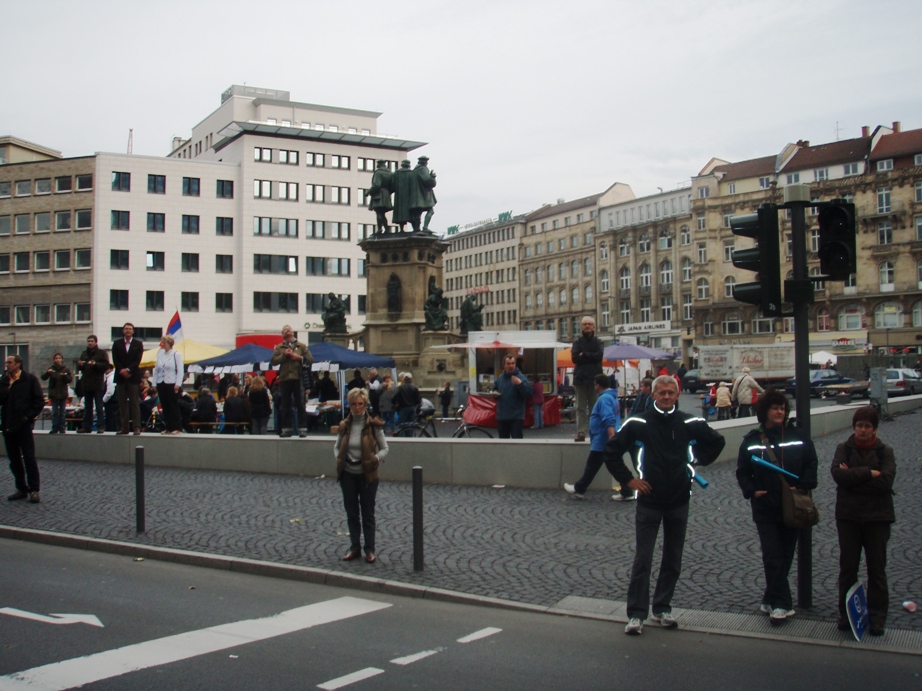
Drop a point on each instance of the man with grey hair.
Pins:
(671, 444)
(587, 354)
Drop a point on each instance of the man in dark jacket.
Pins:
(93, 365)
(58, 377)
(407, 400)
(21, 401)
(512, 391)
(644, 400)
(665, 463)
(126, 356)
(587, 354)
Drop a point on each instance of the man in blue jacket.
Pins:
(511, 391)
(603, 424)
(666, 437)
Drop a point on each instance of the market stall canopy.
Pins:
(246, 358)
(348, 359)
(631, 351)
(821, 357)
(508, 340)
(191, 351)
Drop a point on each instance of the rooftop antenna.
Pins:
(838, 129)
(130, 141)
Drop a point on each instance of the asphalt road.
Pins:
(169, 626)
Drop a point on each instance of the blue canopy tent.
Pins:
(347, 359)
(246, 358)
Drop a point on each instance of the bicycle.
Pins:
(424, 427)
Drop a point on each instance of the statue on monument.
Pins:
(471, 317)
(334, 317)
(436, 314)
(379, 195)
(413, 195)
(394, 295)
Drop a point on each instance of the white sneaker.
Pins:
(666, 620)
(571, 489)
(765, 608)
(780, 615)
(621, 497)
(634, 627)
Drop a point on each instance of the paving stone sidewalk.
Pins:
(531, 546)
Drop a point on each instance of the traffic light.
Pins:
(765, 259)
(838, 257)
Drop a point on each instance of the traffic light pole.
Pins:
(797, 202)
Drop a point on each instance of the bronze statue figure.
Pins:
(334, 316)
(471, 317)
(379, 194)
(435, 312)
(394, 295)
(404, 183)
(413, 195)
(424, 201)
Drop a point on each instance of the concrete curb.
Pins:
(709, 623)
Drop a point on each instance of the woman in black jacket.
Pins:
(260, 406)
(793, 451)
(863, 469)
(235, 412)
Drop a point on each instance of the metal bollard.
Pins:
(139, 487)
(417, 518)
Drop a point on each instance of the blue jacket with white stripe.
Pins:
(669, 442)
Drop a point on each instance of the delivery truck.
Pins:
(768, 364)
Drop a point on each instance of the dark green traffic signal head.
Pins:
(837, 247)
(765, 259)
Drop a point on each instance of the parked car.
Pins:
(820, 377)
(903, 382)
(691, 382)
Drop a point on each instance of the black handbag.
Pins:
(797, 507)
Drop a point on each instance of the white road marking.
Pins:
(477, 635)
(366, 673)
(69, 674)
(53, 618)
(415, 657)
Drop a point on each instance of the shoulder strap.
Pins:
(771, 453)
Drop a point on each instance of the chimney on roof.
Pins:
(560, 200)
(865, 131)
(177, 142)
(897, 126)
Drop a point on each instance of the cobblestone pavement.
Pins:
(532, 546)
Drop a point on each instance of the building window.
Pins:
(728, 250)
(84, 184)
(919, 191)
(62, 260)
(224, 264)
(118, 260)
(339, 231)
(4, 263)
(820, 174)
(5, 225)
(686, 270)
(23, 189)
(625, 308)
(21, 262)
(666, 273)
(684, 235)
(5, 189)
(155, 261)
(42, 222)
(288, 157)
(704, 289)
(191, 187)
(188, 302)
(189, 262)
(120, 220)
(156, 184)
(643, 243)
(888, 315)
(702, 253)
(156, 223)
(603, 281)
(313, 193)
(224, 225)
(154, 301)
(563, 297)
(700, 219)
(732, 325)
(85, 219)
(62, 221)
(885, 270)
(314, 160)
(850, 169)
(225, 189)
(729, 282)
(624, 278)
(666, 308)
(339, 195)
(23, 314)
(624, 249)
(121, 182)
(275, 264)
(587, 266)
(82, 259)
(23, 224)
(884, 233)
(224, 302)
(665, 240)
(851, 318)
(118, 300)
(42, 261)
(727, 216)
(341, 162)
(687, 307)
(275, 302)
(762, 326)
(883, 200)
(646, 275)
(793, 178)
(289, 191)
(587, 295)
(262, 189)
(62, 313)
(885, 165)
(64, 184)
(703, 192)
(918, 228)
(603, 250)
(765, 183)
(262, 154)
(646, 310)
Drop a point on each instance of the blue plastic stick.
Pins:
(765, 464)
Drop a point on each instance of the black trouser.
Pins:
(872, 537)
(359, 497)
(647, 522)
(593, 465)
(171, 417)
(510, 429)
(129, 407)
(290, 396)
(89, 399)
(779, 542)
(20, 447)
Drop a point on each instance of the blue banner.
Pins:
(856, 604)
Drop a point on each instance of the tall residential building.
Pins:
(247, 225)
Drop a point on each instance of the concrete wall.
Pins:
(544, 463)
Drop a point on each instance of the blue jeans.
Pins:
(58, 413)
(406, 414)
(538, 409)
(89, 400)
(647, 522)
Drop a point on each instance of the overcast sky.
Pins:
(522, 101)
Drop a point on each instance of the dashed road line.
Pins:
(477, 635)
(339, 683)
(415, 657)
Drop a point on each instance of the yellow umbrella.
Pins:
(191, 351)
